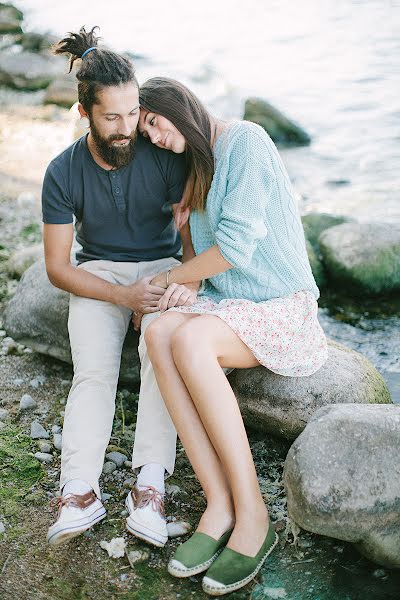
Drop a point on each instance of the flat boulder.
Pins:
(10, 19)
(282, 130)
(342, 478)
(27, 70)
(364, 257)
(62, 91)
(22, 259)
(282, 406)
(37, 316)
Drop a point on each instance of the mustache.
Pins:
(118, 138)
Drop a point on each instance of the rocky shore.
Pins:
(306, 434)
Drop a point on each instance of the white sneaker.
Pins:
(76, 514)
(146, 515)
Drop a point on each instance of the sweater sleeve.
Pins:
(249, 184)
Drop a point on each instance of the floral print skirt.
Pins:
(283, 333)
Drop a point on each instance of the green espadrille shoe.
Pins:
(197, 554)
(233, 570)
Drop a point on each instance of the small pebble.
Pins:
(172, 489)
(124, 513)
(56, 429)
(18, 381)
(105, 496)
(57, 441)
(379, 573)
(270, 592)
(128, 464)
(178, 528)
(28, 351)
(27, 402)
(4, 414)
(135, 556)
(2, 333)
(44, 446)
(38, 431)
(37, 381)
(109, 467)
(2, 425)
(65, 382)
(117, 457)
(44, 457)
(129, 483)
(2, 527)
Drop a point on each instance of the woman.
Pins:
(258, 306)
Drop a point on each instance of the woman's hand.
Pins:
(178, 295)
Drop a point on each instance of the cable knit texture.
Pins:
(252, 215)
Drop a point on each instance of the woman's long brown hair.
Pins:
(178, 104)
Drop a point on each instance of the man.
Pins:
(120, 189)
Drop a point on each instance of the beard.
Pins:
(114, 155)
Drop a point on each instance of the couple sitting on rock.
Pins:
(155, 174)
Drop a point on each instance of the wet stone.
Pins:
(2, 528)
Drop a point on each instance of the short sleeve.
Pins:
(249, 183)
(176, 178)
(57, 207)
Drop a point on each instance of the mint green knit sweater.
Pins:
(252, 215)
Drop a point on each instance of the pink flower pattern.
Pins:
(283, 333)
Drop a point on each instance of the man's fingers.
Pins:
(149, 309)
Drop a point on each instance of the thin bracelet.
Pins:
(168, 272)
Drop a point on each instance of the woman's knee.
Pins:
(191, 339)
(159, 332)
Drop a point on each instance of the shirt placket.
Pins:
(117, 190)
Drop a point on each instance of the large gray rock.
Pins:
(10, 19)
(363, 256)
(281, 129)
(315, 223)
(342, 477)
(28, 71)
(62, 91)
(37, 316)
(282, 406)
(22, 259)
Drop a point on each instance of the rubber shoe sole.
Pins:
(178, 569)
(64, 532)
(144, 533)
(215, 588)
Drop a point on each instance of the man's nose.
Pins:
(125, 127)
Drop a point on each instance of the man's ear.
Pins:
(82, 111)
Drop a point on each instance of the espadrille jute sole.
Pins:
(215, 588)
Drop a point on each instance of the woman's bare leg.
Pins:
(219, 515)
(200, 346)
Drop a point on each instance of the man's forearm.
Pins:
(82, 283)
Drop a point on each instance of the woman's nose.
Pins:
(155, 137)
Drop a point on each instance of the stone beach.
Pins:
(329, 557)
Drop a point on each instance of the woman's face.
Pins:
(161, 132)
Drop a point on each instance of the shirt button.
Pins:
(117, 190)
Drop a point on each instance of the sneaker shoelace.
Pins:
(149, 495)
(75, 500)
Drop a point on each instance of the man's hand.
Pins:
(178, 295)
(142, 296)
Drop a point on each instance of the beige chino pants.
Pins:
(97, 331)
